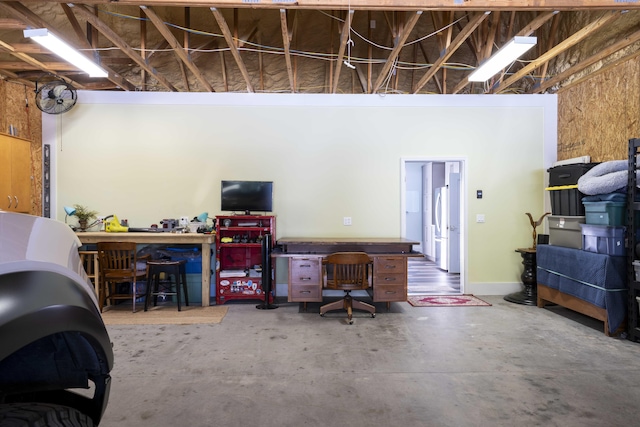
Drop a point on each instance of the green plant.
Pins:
(83, 213)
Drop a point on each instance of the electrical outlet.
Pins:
(346, 220)
(480, 218)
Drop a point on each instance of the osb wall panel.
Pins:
(18, 109)
(598, 116)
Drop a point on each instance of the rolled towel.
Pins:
(604, 178)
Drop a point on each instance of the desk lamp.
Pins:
(203, 217)
(69, 211)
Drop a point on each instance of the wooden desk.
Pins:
(164, 238)
(305, 284)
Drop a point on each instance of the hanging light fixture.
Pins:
(50, 41)
(503, 57)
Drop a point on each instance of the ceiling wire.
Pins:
(398, 65)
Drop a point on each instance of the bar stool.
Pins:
(177, 269)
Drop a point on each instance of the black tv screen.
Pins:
(247, 196)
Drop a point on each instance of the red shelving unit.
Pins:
(239, 256)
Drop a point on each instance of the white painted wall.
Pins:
(149, 156)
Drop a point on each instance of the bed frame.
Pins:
(550, 295)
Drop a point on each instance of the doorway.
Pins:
(433, 214)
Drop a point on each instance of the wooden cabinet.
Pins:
(389, 278)
(15, 174)
(239, 256)
(305, 279)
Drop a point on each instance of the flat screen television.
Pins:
(247, 196)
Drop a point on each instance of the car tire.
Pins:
(42, 414)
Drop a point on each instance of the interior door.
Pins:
(454, 223)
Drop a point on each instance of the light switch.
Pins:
(480, 218)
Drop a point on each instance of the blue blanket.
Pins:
(596, 278)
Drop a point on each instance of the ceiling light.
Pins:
(503, 57)
(64, 51)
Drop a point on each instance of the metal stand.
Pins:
(529, 295)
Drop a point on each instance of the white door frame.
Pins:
(463, 205)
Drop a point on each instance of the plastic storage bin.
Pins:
(566, 200)
(603, 239)
(565, 231)
(192, 255)
(605, 213)
(568, 174)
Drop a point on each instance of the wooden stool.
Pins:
(177, 269)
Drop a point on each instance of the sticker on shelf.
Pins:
(224, 283)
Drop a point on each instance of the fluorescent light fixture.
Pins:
(64, 51)
(503, 57)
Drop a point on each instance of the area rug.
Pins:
(446, 301)
(167, 315)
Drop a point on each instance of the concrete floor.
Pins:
(504, 365)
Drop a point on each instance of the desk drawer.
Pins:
(386, 292)
(305, 293)
(304, 270)
(305, 279)
(389, 264)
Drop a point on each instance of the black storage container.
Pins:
(566, 200)
(568, 174)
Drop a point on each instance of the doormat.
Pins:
(447, 301)
(165, 315)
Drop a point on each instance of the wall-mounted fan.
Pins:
(56, 97)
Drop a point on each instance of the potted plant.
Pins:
(84, 214)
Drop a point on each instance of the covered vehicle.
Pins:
(55, 352)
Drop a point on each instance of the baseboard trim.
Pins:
(492, 288)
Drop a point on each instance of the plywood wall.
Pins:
(18, 109)
(598, 116)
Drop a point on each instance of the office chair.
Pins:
(347, 271)
(119, 267)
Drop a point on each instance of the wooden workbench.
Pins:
(163, 238)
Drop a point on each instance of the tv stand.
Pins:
(239, 257)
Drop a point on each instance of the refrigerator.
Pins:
(441, 217)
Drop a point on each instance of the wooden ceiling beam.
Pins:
(12, 24)
(34, 63)
(106, 31)
(175, 45)
(286, 41)
(399, 44)
(82, 37)
(399, 5)
(345, 36)
(622, 44)
(38, 65)
(455, 44)
(569, 42)
(19, 11)
(226, 32)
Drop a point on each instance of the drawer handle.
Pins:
(390, 279)
(389, 266)
(391, 292)
(305, 265)
(305, 292)
(305, 279)
(9, 197)
(16, 197)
